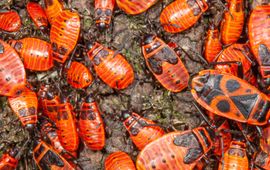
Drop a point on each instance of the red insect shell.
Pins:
(12, 72)
(165, 64)
(66, 128)
(111, 66)
(119, 161)
(79, 76)
(175, 150)
(182, 14)
(103, 12)
(8, 162)
(50, 106)
(237, 52)
(64, 34)
(235, 158)
(37, 14)
(91, 126)
(231, 97)
(47, 158)
(10, 21)
(259, 33)
(212, 45)
(52, 9)
(140, 130)
(36, 53)
(25, 107)
(233, 22)
(134, 7)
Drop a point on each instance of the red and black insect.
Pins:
(134, 7)
(262, 160)
(231, 97)
(238, 61)
(10, 21)
(38, 15)
(25, 107)
(12, 72)
(110, 66)
(165, 64)
(259, 33)
(176, 150)
(36, 53)
(119, 161)
(52, 9)
(235, 158)
(103, 13)
(47, 158)
(10, 159)
(66, 127)
(90, 124)
(212, 45)
(182, 14)
(233, 22)
(64, 34)
(142, 131)
(49, 132)
(49, 104)
(78, 75)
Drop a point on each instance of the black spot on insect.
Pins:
(178, 81)
(232, 85)
(134, 131)
(223, 106)
(8, 79)
(62, 50)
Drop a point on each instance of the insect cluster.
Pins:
(231, 94)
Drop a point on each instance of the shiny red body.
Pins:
(259, 33)
(119, 161)
(66, 128)
(111, 66)
(165, 64)
(8, 162)
(103, 12)
(36, 53)
(175, 150)
(50, 106)
(235, 158)
(240, 53)
(52, 9)
(233, 22)
(47, 158)
(134, 7)
(50, 133)
(12, 72)
(231, 97)
(91, 126)
(10, 21)
(182, 14)
(64, 34)
(142, 131)
(79, 76)
(37, 14)
(212, 45)
(25, 107)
